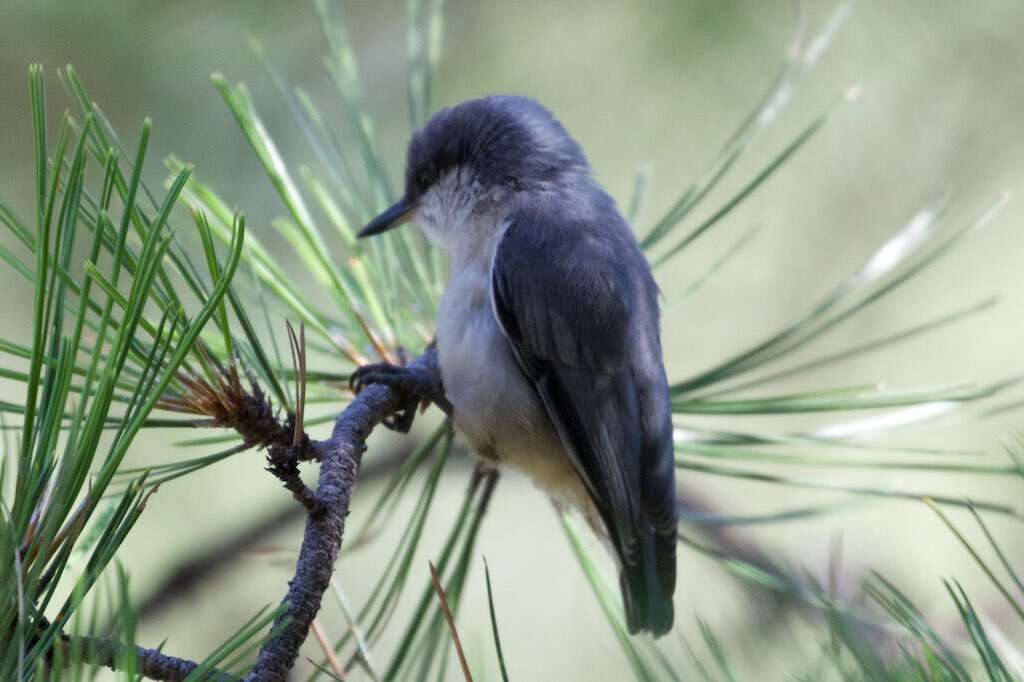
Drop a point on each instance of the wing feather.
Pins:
(577, 303)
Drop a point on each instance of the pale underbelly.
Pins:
(496, 408)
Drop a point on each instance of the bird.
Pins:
(548, 331)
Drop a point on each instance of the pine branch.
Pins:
(149, 663)
(339, 469)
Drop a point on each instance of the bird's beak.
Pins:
(399, 214)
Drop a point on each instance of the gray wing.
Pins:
(577, 303)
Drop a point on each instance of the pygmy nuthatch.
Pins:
(548, 334)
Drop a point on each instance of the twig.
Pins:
(283, 457)
(150, 663)
(341, 455)
(283, 463)
(439, 590)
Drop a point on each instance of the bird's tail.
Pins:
(648, 584)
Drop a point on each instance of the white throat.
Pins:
(461, 217)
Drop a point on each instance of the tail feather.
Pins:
(648, 585)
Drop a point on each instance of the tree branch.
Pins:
(227, 403)
(340, 458)
(150, 663)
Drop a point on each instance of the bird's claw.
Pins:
(415, 386)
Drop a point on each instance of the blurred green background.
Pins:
(655, 83)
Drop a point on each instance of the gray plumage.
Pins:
(548, 333)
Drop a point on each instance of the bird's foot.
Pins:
(417, 386)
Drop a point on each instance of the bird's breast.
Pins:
(493, 403)
(480, 375)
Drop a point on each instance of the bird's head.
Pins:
(470, 161)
